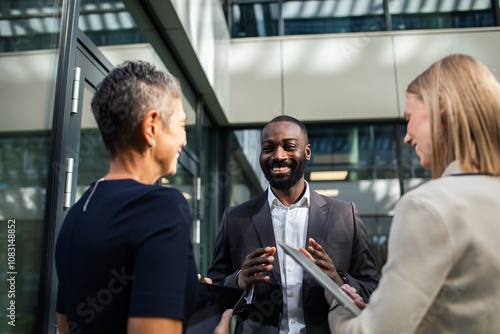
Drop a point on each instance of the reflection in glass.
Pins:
(34, 25)
(108, 23)
(24, 147)
(23, 181)
(365, 152)
(189, 105)
(184, 181)
(244, 174)
(411, 170)
(377, 228)
(29, 25)
(332, 16)
(255, 20)
(212, 184)
(297, 17)
(410, 15)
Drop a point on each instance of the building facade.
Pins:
(339, 66)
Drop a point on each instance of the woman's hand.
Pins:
(351, 292)
(223, 326)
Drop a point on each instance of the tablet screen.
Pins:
(322, 278)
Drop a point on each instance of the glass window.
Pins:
(212, 185)
(377, 228)
(244, 167)
(23, 178)
(183, 181)
(411, 171)
(296, 17)
(25, 132)
(190, 108)
(23, 160)
(255, 20)
(363, 152)
(108, 23)
(356, 163)
(410, 15)
(332, 16)
(29, 25)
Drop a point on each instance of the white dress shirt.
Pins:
(290, 227)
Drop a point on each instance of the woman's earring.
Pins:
(152, 146)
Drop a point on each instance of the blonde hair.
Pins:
(463, 101)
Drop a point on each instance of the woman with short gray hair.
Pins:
(123, 254)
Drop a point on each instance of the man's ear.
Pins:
(150, 126)
(308, 152)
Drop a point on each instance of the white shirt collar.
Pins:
(273, 200)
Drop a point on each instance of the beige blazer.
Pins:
(443, 268)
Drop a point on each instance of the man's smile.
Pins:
(281, 170)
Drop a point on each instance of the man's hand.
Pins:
(255, 264)
(317, 254)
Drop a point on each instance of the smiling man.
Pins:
(281, 298)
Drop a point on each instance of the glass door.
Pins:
(75, 145)
(93, 158)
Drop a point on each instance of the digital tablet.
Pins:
(322, 278)
(213, 300)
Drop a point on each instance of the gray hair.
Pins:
(123, 98)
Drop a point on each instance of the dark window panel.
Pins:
(255, 20)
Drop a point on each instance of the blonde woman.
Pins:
(443, 268)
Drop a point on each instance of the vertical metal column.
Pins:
(399, 158)
(387, 15)
(54, 213)
(281, 21)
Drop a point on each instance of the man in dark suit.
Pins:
(281, 297)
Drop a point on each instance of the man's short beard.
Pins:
(285, 183)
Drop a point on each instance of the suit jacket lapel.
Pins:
(260, 215)
(319, 216)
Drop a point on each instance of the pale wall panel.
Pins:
(117, 54)
(336, 78)
(416, 52)
(255, 68)
(343, 76)
(205, 24)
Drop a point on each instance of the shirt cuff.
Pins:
(249, 292)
